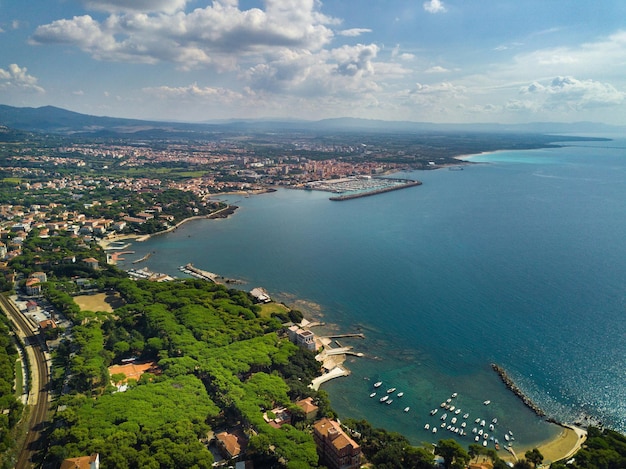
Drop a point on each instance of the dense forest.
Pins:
(10, 406)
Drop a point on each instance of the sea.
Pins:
(517, 259)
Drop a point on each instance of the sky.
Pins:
(447, 61)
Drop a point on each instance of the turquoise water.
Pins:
(519, 259)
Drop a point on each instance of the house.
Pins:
(335, 448)
(132, 371)
(302, 337)
(310, 409)
(40, 275)
(281, 417)
(47, 324)
(260, 295)
(231, 444)
(91, 262)
(82, 462)
(33, 287)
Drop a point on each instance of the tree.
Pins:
(453, 454)
(534, 456)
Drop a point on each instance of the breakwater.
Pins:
(358, 195)
(510, 384)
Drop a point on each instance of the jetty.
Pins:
(336, 372)
(358, 335)
(144, 258)
(508, 382)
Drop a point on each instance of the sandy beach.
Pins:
(563, 446)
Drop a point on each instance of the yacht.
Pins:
(454, 394)
(389, 401)
(390, 390)
(406, 409)
(434, 411)
(427, 426)
(494, 421)
(482, 423)
(400, 394)
(384, 398)
(434, 429)
(484, 442)
(444, 416)
(453, 420)
(457, 412)
(378, 384)
(487, 402)
(373, 394)
(465, 415)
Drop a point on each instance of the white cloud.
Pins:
(167, 6)
(562, 93)
(354, 32)
(194, 92)
(17, 78)
(436, 69)
(220, 34)
(434, 6)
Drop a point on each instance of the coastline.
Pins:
(562, 446)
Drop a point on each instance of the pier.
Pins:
(358, 335)
(516, 390)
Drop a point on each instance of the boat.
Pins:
(482, 423)
(400, 394)
(448, 400)
(463, 425)
(453, 420)
(510, 433)
(389, 401)
(454, 394)
(484, 442)
(474, 430)
(480, 432)
(427, 426)
(485, 436)
(434, 411)
(443, 425)
(465, 415)
(494, 421)
(378, 384)
(457, 412)
(491, 427)
(442, 405)
(476, 438)
(390, 390)
(373, 394)
(487, 402)
(444, 416)
(506, 437)
(452, 408)
(497, 446)
(384, 398)
(477, 420)
(406, 409)
(434, 429)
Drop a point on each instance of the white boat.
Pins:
(453, 420)
(476, 438)
(482, 423)
(477, 420)
(389, 401)
(378, 384)
(448, 400)
(444, 416)
(487, 402)
(465, 416)
(406, 409)
(384, 398)
(454, 394)
(491, 427)
(484, 442)
(390, 390)
(485, 435)
(510, 433)
(434, 429)
(443, 425)
(474, 430)
(457, 412)
(452, 408)
(494, 421)
(434, 411)
(506, 437)
(400, 394)
(373, 394)
(480, 432)
(463, 425)
(427, 426)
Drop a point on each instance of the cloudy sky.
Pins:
(436, 60)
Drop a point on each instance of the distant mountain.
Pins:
(50, 119)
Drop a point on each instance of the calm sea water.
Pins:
(519, 260)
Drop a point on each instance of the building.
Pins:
(302, 337)
(336, 449)
(33, 287)
(91, 262)
(82, 462)
(310, 409)
(231, 444)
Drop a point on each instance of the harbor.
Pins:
(360, 186)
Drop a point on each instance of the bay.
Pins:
(519, 259)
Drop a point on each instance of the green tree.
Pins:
(453, 454)
(534, 456)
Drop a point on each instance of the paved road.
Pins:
(38, 386)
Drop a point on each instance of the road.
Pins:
(38, 386)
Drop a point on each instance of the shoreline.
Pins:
(560, 447)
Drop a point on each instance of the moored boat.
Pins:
(378, 384)
(389, 401)
(384, 398)
(406, 409)
(487, 402)
(372, 394)
(400, 394)
(427, 426)
(390, 390)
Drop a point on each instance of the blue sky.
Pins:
(507, 61)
